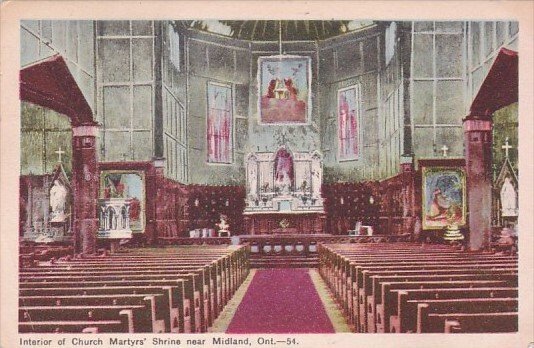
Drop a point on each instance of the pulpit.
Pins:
(114, 218)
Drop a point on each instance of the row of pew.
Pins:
(30, 253)
(418, 288)
(178, 290)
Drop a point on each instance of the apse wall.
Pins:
(353, 59)
(234, 63)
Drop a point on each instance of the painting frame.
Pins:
(229, 86)
(142, 208)
(358, 102)
(430, 189)
(262, 89)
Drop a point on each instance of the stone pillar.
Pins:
(478, 143)
(85, 182)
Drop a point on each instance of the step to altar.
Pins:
(283, 261)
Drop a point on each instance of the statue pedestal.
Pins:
(224, 233)
(452, 233)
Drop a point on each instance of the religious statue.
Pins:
(506, 237)
(304, 186)
(58, 199)
(284, 171)
(508, 198)
(283, 183)
(223, 226)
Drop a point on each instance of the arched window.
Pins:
(348, 116)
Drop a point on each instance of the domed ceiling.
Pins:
(269, 30)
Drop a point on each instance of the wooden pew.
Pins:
(365, 290)
(180, 316)
(388, 303)
(138, 316)
(207, 297)
(123, 274)
(92, 326)
(456, 305)
(345, 293)
(157, 304)
(465, 322)
(355, 274)
(362, 287)
(402, 317)
(216, 276)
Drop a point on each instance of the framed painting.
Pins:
(348, 116)
(444, 197)
(219, 123)
(284, 89)
(129, 185)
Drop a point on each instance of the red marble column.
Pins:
(159, 208)
(478, 142)
(408, 197)
(85, 181)
(151, 199)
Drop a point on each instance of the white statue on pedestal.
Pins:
(58, 198)
(316, 174)
(508, 198)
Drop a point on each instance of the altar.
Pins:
(284, 224)
(284, 193)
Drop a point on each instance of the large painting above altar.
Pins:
(284, 89)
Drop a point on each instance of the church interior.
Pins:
(268, 176)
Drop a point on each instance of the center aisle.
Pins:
(281, 301)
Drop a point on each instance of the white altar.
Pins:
(284, 182)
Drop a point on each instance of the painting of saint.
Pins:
(219, 135)
(284, 89)
(443, 197)
(348, 122)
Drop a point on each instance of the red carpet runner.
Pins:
(281, 301)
